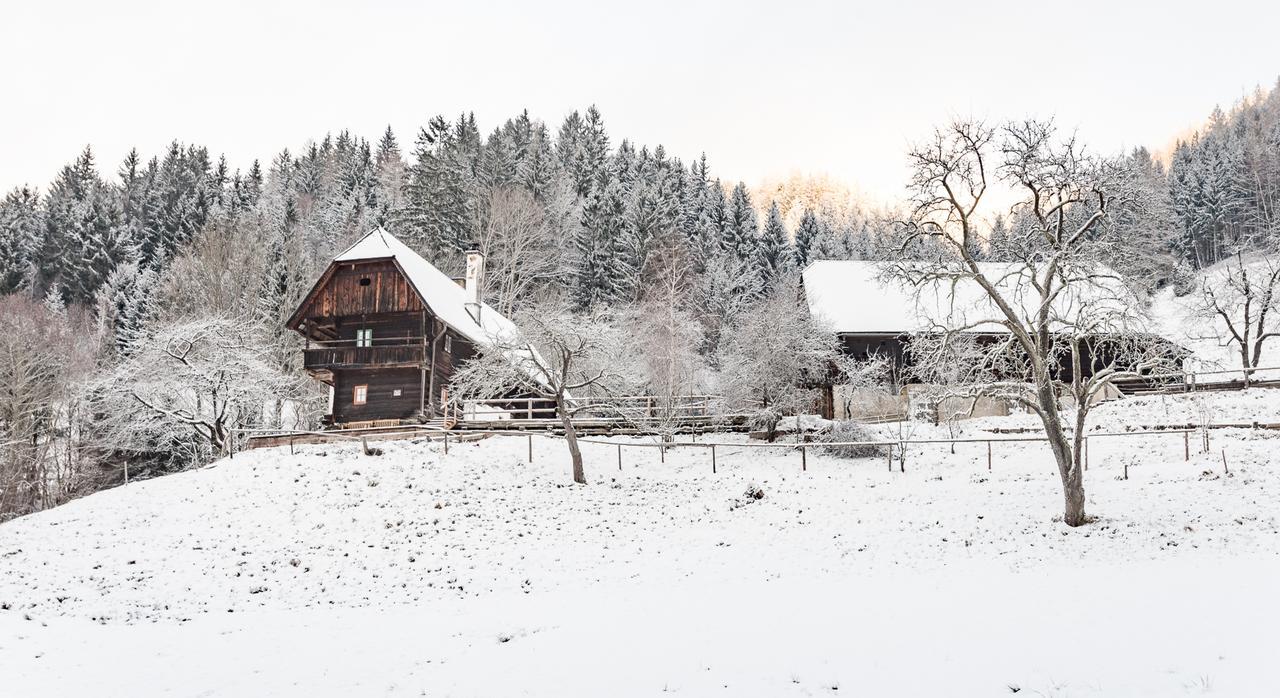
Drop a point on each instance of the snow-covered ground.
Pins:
(327, 572)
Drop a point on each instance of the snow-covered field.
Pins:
(327, 572)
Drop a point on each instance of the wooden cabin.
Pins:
(385, 330)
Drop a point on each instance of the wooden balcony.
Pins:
(330, 357)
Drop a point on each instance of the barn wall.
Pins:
(382, 403)
(387, 291)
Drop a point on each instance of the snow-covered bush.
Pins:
(845, 431)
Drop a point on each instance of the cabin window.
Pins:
(364, 338)
(360, 395)
(448, 344)
(365, 281)
(395, 393)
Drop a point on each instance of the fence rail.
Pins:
(624, 407)
(892, 446)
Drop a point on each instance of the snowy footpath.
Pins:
(415, 573)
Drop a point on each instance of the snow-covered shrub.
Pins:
(765, 420)
(1184, 279)
(846, 431)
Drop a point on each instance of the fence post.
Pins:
(1186, 446)
(713, 459)
(619, 456)
(804, 459)
(530, 448)
(988, 456)
(662, 453)
(1225, 471)
(889, 457)
(1126, 468)
(291, 444)
(446, 443)
(902, 457)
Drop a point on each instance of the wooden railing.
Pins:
(330, 357)
(627, 407)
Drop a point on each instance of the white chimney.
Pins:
(474, 283)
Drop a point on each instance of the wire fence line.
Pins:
(435, 433)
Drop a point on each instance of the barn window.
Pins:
(364, 338)
(448, 344)
(365, 281)
(360, 395)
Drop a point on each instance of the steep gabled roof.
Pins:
(441, 294)
(852, 297)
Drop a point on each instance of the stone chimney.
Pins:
(474, 285)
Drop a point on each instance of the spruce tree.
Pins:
(806, 235)
(21, 229)
(776, 255)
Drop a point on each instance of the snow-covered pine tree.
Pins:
(776, 254)
(741, 231)
(390, 173)
(21, 229)
(597, 246)
(806, 235)
(442, 187)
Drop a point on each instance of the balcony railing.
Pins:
(348, 356)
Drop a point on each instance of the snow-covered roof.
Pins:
(443, 295)
(853, 297)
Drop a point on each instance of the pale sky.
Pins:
(765, 89)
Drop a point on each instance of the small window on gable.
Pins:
(365, 281)
(360, 395)
(364, 338)
(448, 344)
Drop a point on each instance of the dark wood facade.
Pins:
(375, 341)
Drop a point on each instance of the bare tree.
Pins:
(1061, 324)
(520, 244)
(1240, 301)
(665, 337)
(553, 355)
(45, 353)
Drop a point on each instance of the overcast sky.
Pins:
(764, 89)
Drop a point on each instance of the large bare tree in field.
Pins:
(1061, 324)
(553, 355)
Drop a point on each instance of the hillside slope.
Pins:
(327, 572)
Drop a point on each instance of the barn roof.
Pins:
(853, 297)
(441, 294)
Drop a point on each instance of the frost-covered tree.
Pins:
(1239, 301)
(522, 252)
(807, 234)
(773, 356)
(1058, 305)
(554, 355)
(185, 390)
(21, 227)
(46, 351)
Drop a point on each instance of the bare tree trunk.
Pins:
(1067, 458)
(571, 438)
